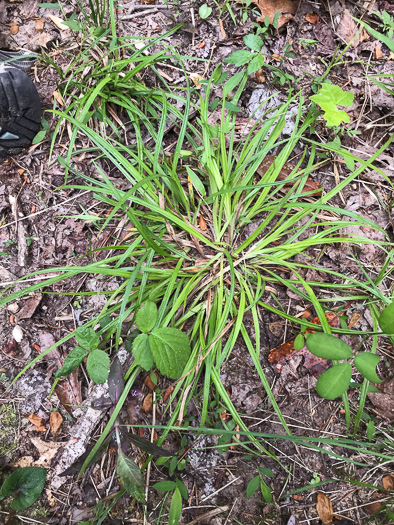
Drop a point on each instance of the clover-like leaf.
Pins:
(27, 483)
(327, 346)
(146, 316)
(334, 381)
(71, 362)
(131, 477)
(86, 337)
(97, 366)
(171, 351)
(366, 364)
(142, 352)
(204, 11)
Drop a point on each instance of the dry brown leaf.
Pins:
(324, 508)
(347, 29)
(287, 168)
(14, 28)
(371, 508)
(25, 461)
(149, 383)
(259, 76)
(287, 8)
(391, 56)
(38, 422)
(312, 18)
(196, 78)
(40, 22)
(222, 29)
(167, 393)
(202, 223)
(147, 404)
(388, 482)
(47, 450)
(29, 307)
(378, 52)
(384, 400)
(59, 23)
(354, 320)
(364, 37)
(57, 96)
(68, 390)
(55, 421)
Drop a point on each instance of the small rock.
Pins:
(13, 308)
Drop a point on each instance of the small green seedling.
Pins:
(26, 484)
(97, 364)
(204, 11)
(179, 491)
(315, 478)
(128, 471)
(168, 348)
(329, 97)
(258, 483)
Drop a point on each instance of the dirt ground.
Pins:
(37, 233)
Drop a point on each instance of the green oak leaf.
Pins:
(329, 97)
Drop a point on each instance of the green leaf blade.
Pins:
(327, 346)
(142, 352)
(253, 42)
(386, 319)
(175, 508)
(97, 366)
(366, 364)
(146, 317)
(71, 362)
(253, 485)
(171, 351)
(131, 477)
(86, 337)
(334, 381)
(28, 484)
